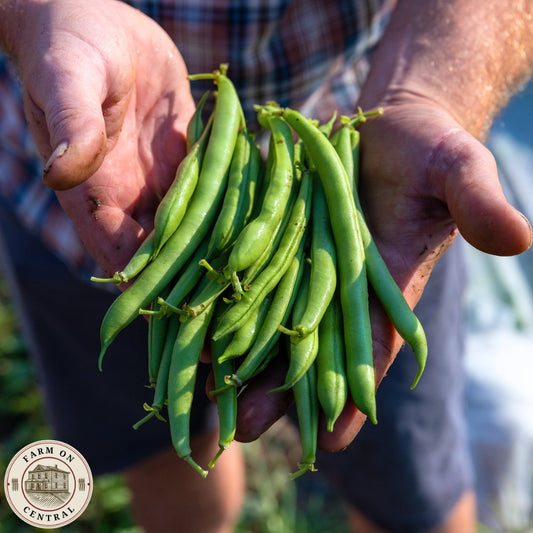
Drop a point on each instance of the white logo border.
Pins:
(89, 484)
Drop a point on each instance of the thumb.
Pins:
(67, 120)
(475, 198)
(77, 155)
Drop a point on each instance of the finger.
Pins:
(475, 199)
(73, 119)
(109, 234)
(257, 410)
(346, 428)
(71, 137)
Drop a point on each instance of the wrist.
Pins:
(465, 56)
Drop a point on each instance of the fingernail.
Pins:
(530, 230)
(60, 150)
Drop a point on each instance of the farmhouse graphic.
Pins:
(47, 485)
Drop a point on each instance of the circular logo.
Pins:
(48, 484)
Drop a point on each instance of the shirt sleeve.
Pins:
(308, 54)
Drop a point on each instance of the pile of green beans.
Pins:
(260, 257)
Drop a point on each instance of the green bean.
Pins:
(226, 408)
(226, 400)
(255, 236)
(398, 310)
(352, 268)
(196, 223)
(342, 141)
(360, 117)
(264, 362)
(323, 280)
(172, 208)
(354, 122)
(180, 287)
(355, 143)
(157, 328)
(327, 127)
(185, 282)
(136, 263)
(393, 301)
(161, 382)
(332, 387)
(251, 360)
(226, 224)
(264, 259)
(307, 411)
(346, 143)
(279, 309)
(181, 382)
(196, 125)
(244, 338)
(267, 280)
(252, 271)
(261, 184)
(389, 294)
(249, 195)
(221, 232)
(302, 350)
(211, 289)
(220, 78)
(256, 171)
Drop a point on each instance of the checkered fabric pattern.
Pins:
(309, 54)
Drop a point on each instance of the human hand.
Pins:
(107, 100)
(441, 72)
(423, 180)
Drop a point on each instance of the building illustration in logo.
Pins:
(47, 485)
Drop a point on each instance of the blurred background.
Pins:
(499, 344)
(499, 395)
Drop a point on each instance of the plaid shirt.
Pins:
(309, 54)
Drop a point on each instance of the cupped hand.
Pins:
(107, 99)
(423, 180)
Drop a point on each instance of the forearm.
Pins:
(468, 56)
